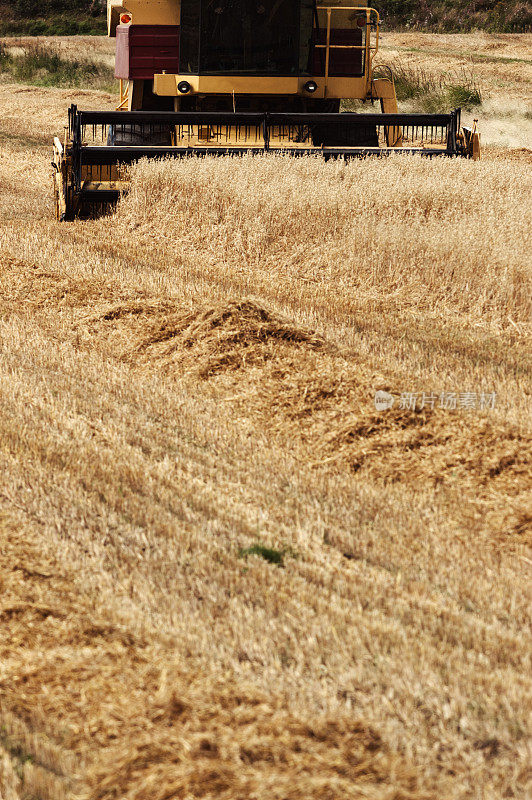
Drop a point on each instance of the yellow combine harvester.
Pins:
(224, 77)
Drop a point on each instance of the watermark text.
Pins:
(451, 401)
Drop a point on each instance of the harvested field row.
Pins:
(299, 386)
(157, 569)
(200, 734)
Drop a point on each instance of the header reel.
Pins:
(90, 168)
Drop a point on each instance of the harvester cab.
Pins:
(224, 77)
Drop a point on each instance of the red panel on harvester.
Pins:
(145, 50)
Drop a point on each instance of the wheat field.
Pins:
(224, 573)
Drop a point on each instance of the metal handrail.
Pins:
(124, 95)
(370, 50)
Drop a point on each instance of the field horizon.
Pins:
(68, 17)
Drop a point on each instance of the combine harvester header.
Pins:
(226, 77)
